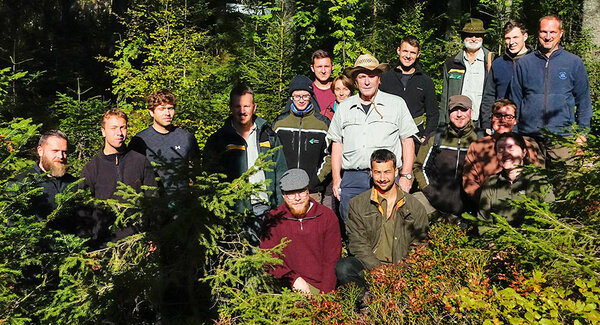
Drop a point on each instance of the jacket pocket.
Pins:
(559, 113)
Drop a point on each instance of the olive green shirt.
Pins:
(384, 247)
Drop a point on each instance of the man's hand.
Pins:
(336, 187)
(488, 131)
(405, 184)
(301, 285)
(336, 167)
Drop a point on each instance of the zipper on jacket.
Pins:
(118, 170)
(457, 158)
(546, 86)
(299, 146)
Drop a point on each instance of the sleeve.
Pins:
(431, 108)
(137, 144)
(418, 232)
(194, 148)
(443, 111)
(325, 166)
(210, 156)
(279, 270)
(471, 177)
(419, 163)
(485, 207)
(516, 91)
(488, 99)
(279, 168)
(357, 236)
(332, 250)
(406, 124)
(334, 133)
(87, 175)
(583, 101)
(149, 177)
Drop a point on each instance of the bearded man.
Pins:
(313, 231)
(50, 173)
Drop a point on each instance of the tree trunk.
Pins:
(591, 19)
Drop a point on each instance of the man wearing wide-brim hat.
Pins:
(465, 73)
(363, 123)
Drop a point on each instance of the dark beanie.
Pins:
(301, 83)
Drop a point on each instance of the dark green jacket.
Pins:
(364, 227)
(454, 71)
(225, 152)
(498, 192)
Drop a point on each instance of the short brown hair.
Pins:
(345, 80)
(159, 97)
(550, 17)
(412, 40)
(498, 104)
(319, 54)
(240, 90)
(514, 23)
(114, 112)
(52, 133)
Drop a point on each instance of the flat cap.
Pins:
(293, 180)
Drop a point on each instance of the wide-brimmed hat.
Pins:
(365, 62)
(475, 26)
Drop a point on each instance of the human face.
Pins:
(114, 132)
(163, 115)
(322, 68)
(53, 156)
(502, 121)
(473, 42)
(515, 41)
(301, 99)
(367, 83)
(460, 117)
(341, 91)
(242, 109)
(298, 202)
(549, 35)
(383, 175)
(509, 153)
(408, 54)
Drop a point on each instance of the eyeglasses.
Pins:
(292, 195)
(298, 97)
(506, 117)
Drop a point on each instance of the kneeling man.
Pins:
(383, 222)
(313, 230)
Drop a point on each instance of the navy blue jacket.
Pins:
(547, 90)
(497, 85)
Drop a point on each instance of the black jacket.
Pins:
(419, 96)
(101, 176)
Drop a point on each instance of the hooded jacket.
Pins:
(225, 152)
(546, 91)
(315, 245)
(438, 168)
(419, 96)
(497, 85)
(305, 144)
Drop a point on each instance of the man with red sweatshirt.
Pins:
(313, 231)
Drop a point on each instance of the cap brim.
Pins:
(351, 71)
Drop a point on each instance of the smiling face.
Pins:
(367, 83)
(503, 119)
(509, 153)
(515, 41)
(408, 54)
(301, 99)
(473, 42)
(460, 116)
(340, 90)
(242, 109)
(383, 175)
(322, 68)
(163, 115)
(53, 156)
(298, 202)
(549, 35)
(114, 130)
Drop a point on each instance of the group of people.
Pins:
(370, 167)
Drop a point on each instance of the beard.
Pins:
(472, 46)
(56, 169)
(300, 212)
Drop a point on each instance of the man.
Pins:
(114, 163)
(313, 231)
(498, 81)
(438, 167)
(466, 72)
(303, 135)
(481, 161)
(322, 66)
(547, 86)
(234, 148)
(383, 223)
(170, 148)
(52, 152)
(367, 121)
(409, 81)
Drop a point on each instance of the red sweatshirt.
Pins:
(314, 249)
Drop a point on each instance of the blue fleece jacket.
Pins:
(547, 90)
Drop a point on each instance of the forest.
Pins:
(63, 63)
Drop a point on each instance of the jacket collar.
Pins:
(508, 57)
(284, 212)
(418, 69)
(541, 55)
